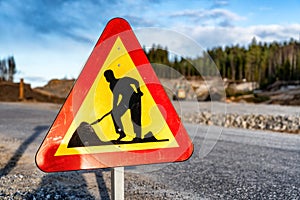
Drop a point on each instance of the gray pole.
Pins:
(117, 183)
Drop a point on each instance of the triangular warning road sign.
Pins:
(117, 113)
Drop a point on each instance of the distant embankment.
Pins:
(57, 87)
(10, 92)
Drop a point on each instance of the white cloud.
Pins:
(211, 36)
(218, 16)
(177, 43)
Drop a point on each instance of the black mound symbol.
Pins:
(85, 136)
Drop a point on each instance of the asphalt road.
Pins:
(226, 164)
(242, 164)
(18, 120)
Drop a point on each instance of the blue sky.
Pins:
(53, 38)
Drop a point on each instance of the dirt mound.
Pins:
(10, 92)
(57, 87)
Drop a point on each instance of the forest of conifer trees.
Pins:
(260, 62)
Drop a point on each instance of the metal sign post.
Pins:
(117, 183)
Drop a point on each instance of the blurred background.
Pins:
(230, 67)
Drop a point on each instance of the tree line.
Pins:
(7, 69)
(169, 66)
(260, 62)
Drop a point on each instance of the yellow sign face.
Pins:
(117, 113)
(100, 101)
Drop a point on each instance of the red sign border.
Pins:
(45, 158)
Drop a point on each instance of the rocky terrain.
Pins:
(280, 92)
(278, 123)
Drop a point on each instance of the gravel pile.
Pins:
(278, 123)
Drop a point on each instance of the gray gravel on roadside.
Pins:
(228, 163)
